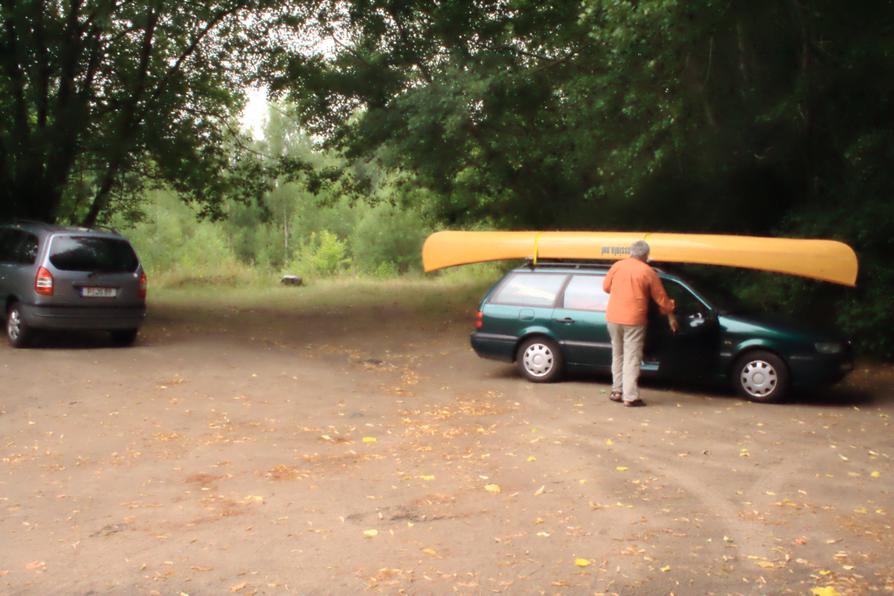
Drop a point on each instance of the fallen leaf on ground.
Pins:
(875, 474)
(492, 488)
(370, 533)
(824, 591)
(539, 491)
(237, 587)
(622, 468)
(666, 568)
(427, 477)
(583, 562)
(369, 439)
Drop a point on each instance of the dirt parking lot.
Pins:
(252, 448)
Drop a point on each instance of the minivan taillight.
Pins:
(479, 320)
(144, 284)
(43, 282)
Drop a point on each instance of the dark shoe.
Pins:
(636, 403)
(615, 396)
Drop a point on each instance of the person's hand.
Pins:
(672, 321)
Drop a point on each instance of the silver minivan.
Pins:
(65, 278)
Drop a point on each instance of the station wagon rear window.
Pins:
(530, 289)
(93, 253)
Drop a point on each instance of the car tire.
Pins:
(539, 360)
(18, 333)
(761, 376)
(124, 337)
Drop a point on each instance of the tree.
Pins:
(759, 117)
(99, 97)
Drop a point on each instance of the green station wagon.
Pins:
(550, 318)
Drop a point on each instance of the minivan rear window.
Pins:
(93, 253)
(530, 289)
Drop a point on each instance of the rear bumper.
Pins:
(494, 346)
(75, 317)
(815, 370)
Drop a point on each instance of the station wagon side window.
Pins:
(530, 289)
(584, 292)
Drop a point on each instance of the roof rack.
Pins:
(576, 264)
(581, 264)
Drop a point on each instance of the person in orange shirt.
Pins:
(631, 284)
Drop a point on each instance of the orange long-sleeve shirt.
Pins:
(631, 283)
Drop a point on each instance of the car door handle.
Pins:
(566, 320)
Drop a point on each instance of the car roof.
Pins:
(39, 227)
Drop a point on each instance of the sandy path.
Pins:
(279, 451)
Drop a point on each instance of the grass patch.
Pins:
(449, 291)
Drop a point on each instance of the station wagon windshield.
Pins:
(92, 253)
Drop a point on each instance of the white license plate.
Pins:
(94, 292)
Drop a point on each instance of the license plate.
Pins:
(94, 292)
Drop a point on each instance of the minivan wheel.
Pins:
(124, 337)
(540, 360)
(761, 376)
(17, 332)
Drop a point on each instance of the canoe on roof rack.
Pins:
(825, 260)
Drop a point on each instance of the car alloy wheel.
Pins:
(761, 376)
(539, 360)
(17, 331)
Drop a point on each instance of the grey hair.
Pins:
(640, 250)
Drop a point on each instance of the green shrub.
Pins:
(388, 236)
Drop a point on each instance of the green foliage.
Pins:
(388, 240)
(322, 255)
(765, 117)
(176, 248)
(98, 100)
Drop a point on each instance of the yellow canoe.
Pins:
(826, 260)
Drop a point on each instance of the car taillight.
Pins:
(479, 320)
(144, 284)
(43, 282)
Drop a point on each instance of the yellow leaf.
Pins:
(539, 491)
(543, 534)
(609, 442)
(492, 488)
(875, 474)
(427, 477)
(430, 552)
(532, 458)
(622, 468)
(369, 439)
(666, 568)
(824, 591)
(370, 533)
(765, 565)
(583, 562)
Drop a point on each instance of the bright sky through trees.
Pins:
(254, 115)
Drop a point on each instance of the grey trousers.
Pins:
(627, 354)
